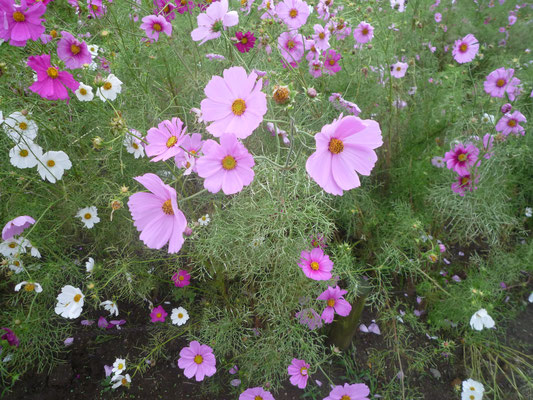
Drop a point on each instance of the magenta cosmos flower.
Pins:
(357, 391)
(181, 278)
(256, 393)
(158, 314)
(298, 371)
(465, 49)
(96, 8)
(335, 303)
(463, 184)
(234, 103)
(344, 148)
(293, 12)
(497, 82)
(50, 81)
(461, 158)
(164, 141)
(399, 69)
(363, 33)
(10, 336)
(316, 265)
(215, 20)
(73, 52)
(16, 226)
(153, 25)
(510, 123)
(331, 61)
(197, 360)
(156, 215)
(226, 166)
(20, 23)
(291, 47)
(245, 41)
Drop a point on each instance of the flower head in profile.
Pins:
(510, 123)
(214, 21)
(89, 216)
(293, 13)
(181, 278)
(51, 83)
(158, 314)
(256, 393)
(316, 265)
(472, 390)
(363, 33)
(69, 302)
(398, 69)
(335, 303)
(197, 360)
(16, 226)
(10, 337)
(344, 148)
(21, 23)
(120, 380)
(73, 52)
(153, 25)
(298, 371)
(234, 104)
(461, 158)
(156, 215)
(245, 41)
(480, 320)
(52, 165)
(465, 49)
(357, 391)
(110, 306)
(29, 287)
(165, 141)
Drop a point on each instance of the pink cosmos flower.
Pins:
(16, 226)
(363, 33)
(461, 158)
(153, 25)
(245, 41)
(165, 8)
(344, 147)
(156, 215)
(399, 69)
(312, 51)
(235, 103)
(158, 314)
(309, 317)
(164, 141)
(463, 184)
(20, 23)
(181, 278)
(357, 391)
(510, 123)
(73, 52)
(320, 38)
(185, 6)
(226, 166)
(438, 17)
(465, 49)
(316, 265)
(335, 303)
(497, 81)
(50, 82)
(256, 393)
(197, 360)
(315, 69)
(291, 47)
(192, 144)
(96, 8)
(215, 19)
(331, 61)
(10, 336)
(293, 13)
(298, 373)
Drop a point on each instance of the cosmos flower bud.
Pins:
(311, 92)
(281, 94)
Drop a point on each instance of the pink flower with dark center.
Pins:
(344, 148)
(298, 371)
(50, 82)
(291, 47)
(181, 278)
(165, 8)
(510, 123)
(153, 25)
(438, 17)
(164, 141)
(197, 360)
(234, 103)
(158, 314)
(256, 393)
(363, 33)
(20, 23)
(184, 6)
(96, 8)
(461, 158)
(357, 391)
(293, 13)
(320, 38)
(316, 265)
(335, 303)
(73, 52)
(399, 69)
(245, 41)
(226, 166)
(331, 61)
(463, 184)
(312, 51)
(214, 21)
(497, 82)
(465, 49)
(156, 215)
(192, 145)
(16, 226)
(315, 69)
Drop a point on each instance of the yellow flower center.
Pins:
(293, 13)
(12, 245)
(157, 27)
(74, 49)
(87, 216)
(258, 398)
(167, 207)
(511, 123)
(50, 163)
(398, 69)
(16, 263)
(135, 145)
(321, 35)
(500, 82)
(332, 62)
(18, 16)
(465, 180)
(463, 48)
(336, 146)
(364, 31)
(53, 33)
(290, 44)
(180, 315)
(229, 163)
(238, 107)
(181, 277)
(472, 388)
(303, 371)
(77, 298)
(94, 7)
(124, 381)
(183, 2)
(83, 91)
(23, 126)
(29, 287)
(244, 40)
(52, 72)
(171, 141)
(345, 397)
(108, 85)
(120, 366)
(315, 266)
(23, 153)
(472, 397)
(331, 302)
(158, 315)
(462, 157)
(198, 359)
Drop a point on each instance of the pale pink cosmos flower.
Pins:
(164, 141)
(197, 360)
(510, 123)
(501, 81)
(298, 371)
(312, 51)
(363, 33)
(73, 52)
(256, 393)
(399, 69)
(335, 303)
(214, 21)
(465, 49)
(461, 158)
(51, 83)
(16, 226)
(153, 25)
(344, 148)
(156, 215)
(291, 47)
(192, 145)
(234, 103)
(320, 38)
(331, 61)
(293, 13)
(20, 23)
(226, 166)
(357, 391)
(316, 265)
(315, 69)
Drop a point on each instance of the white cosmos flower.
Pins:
(34, 251)
(11, 246)
(93, 49)
(18, 126)
(25, 154)
(134, 144)
(84, 92)
(110, 306)
(109, 90)
(179, 316)
(89, 216)
(204, 220)
(121, 380)
(487, 119)
(89, 265)
(530, 298)
(15, 264)
(528, 212)
(481, 319)
(472, 390)
(29, 287)
(69, 302)
(119, 366)
(52, 165)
